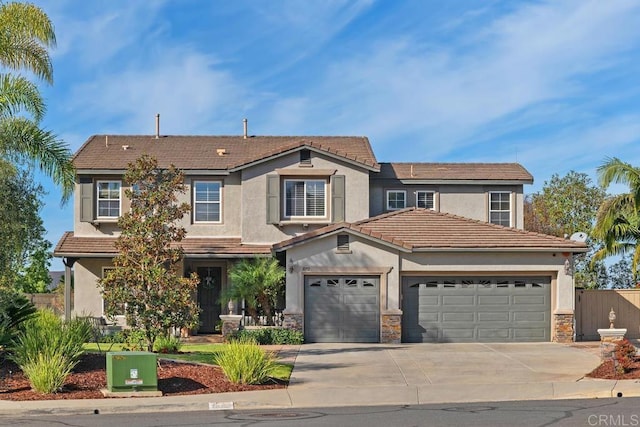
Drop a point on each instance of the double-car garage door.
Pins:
(476, 309)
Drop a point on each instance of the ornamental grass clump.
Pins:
(49, 348)
(244, 362)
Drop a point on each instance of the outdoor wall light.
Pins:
(292, 265)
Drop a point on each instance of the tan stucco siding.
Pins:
(469, 201)
(87, 297)
(254, 204)
(320, 257)
(229, 225)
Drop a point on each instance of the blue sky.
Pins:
(552, 85)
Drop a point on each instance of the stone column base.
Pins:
(563, 326)
(293, 321)
(609, 339)
(391, 327)
(230, 323)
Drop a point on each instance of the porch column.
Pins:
(68, 263)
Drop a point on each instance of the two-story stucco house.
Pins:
(374, 252)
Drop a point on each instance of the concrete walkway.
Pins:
(381, 374)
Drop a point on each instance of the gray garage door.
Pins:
(342, 309)
(476, 309)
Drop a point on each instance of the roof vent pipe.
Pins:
(245, 124)
(157, 125)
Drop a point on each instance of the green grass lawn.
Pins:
(199, 353)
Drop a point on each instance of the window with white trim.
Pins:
(500, 208)
(108, 198)
(396, 199)
(207, 201)
(121, 312)
(305, 198)
(425, 199)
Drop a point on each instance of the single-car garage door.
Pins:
(342, 309)
(476, 309)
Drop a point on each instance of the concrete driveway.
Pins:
(438, 366)
(342, 365)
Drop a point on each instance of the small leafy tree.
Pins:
(564, 206)
(147, 280)
(258, 282)
(621, 275)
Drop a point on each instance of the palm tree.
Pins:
(26, 34)
(258, 282)
(618, 219)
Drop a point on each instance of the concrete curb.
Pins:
(331, 397)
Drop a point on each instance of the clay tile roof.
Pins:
(455, 171)
(115, 152)
(70, 245)
(416, 229)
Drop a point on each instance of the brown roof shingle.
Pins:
(455, 171)
(202, 152)
(416, 229)
(70, 245)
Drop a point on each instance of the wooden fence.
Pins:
(53, 301)
(593, 307)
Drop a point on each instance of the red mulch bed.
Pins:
(89, 377)
(607, 371)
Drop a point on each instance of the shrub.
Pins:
(625, 354)
(167, 344)
(47, 373)
(134, 340)
(244, 362)
(48, 349)
(15, 309)
(266, 336)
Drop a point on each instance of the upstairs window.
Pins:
(305, 198)
(206, 201)
(500, 208)
(396, 200)
(108, 193)
(425, 199)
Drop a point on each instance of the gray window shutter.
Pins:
(337, 198)
(86, 200)
(273, 199)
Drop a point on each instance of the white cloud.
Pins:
(448, 93)
(184, 87)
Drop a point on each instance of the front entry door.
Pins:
(208, 298)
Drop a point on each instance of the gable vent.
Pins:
(343, 242)
(305, 157)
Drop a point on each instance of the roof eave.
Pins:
(375, 168)
(520, 249)
(466, 181)
(344, 229)
(84, 254)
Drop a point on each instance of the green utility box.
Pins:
(132, 371)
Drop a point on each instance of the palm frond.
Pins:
(19, 94)
(23, 138)
(27, 34)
